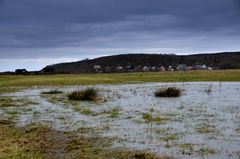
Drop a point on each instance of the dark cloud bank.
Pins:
(70, 29)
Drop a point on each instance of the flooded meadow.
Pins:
(204, 122)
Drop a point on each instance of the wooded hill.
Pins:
(135, 62)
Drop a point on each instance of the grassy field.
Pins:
(91, 79)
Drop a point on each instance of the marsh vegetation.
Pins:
(88, 94)
(168, 92)
(8, 101)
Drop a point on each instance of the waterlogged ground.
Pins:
(203, 123)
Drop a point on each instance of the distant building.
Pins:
(130, 68)
(108, 69)
(181, 67)
(210, 68)
(204, 67)
(162, 68)
(170, 68)
(138, 68)
(145, 68)
(189, 68)
(154, 68)
(97, 68)
(200, 67)
(119, 69)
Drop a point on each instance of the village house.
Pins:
(108, 69)
(181, 67)
(119, 69)
(130, 68)
(162, 68)
(138, 68)
(189, 68)
(97, 68)
(154, 68)
(145, 68)
(210, 68)
(200, 67)
(204, 67)
(170, 68)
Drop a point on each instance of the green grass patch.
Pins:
(186, 148)
(206, 151)
(163, 131)
(90, 79)
(5, 90)
(56, 98)
(7, 101)
(150, 118)
(84, 111)
(169, 138)
(206, 129)
(113, 112)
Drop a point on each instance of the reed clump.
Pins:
(88, 94)
(168, 92)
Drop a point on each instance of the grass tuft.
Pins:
(169, 138)
(89, 94)
(205, 129)
(168, 92)
(7, 101)
(113, 112)
(149, 118)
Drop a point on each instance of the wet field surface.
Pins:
(204, 122)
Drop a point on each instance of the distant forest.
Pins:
(135, 62)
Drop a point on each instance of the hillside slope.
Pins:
(227, 60)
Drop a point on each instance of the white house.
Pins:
(97, 67)
(145, 68)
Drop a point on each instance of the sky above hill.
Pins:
(34, 33)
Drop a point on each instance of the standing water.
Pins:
(204, 122)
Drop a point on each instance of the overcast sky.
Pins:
(34, 33)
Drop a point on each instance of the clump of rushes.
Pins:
(89, 94)
(168, 92)
(54, 91)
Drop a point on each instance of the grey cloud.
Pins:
(34, 24)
